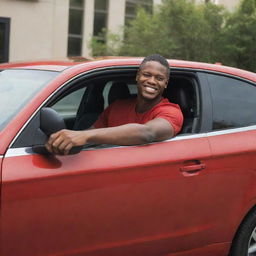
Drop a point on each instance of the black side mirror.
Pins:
(50, 122)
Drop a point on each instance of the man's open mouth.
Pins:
(150, 89)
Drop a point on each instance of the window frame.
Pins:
(211, 103)
(7, 24)
(25, 137)
(136, 3)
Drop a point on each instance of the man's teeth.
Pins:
(150, 89)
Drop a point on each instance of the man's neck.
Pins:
(143, 105)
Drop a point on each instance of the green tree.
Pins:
(193, 28)
(146, 34)
(101, 48)
(239, 37)
(179, 29)
(182, 29)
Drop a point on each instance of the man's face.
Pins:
(152, 79)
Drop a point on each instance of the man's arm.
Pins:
(129, 134)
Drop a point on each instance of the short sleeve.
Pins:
(173, 115)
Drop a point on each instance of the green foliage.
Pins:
(239, 36)
(182, 29)
(146, 34)
(194, 28)
(99, 46)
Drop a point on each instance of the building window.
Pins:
(132, 5)
(100, 18)
(75, 29)
(4, 39)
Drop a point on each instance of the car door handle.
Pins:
(193, 168)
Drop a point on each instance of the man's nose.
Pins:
(152, 80)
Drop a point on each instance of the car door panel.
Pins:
(234, 162)
(106, 200)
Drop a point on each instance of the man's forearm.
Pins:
(129, 134)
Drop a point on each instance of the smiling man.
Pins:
(145, 119)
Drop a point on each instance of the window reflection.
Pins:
(233, 102)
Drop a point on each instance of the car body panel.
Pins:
(109, 201)
(217, 249)
(234, 156)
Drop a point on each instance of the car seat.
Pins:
(91, 105)
(118, 90)
(180, 93)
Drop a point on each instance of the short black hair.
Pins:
(158, 58)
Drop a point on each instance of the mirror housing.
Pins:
(50, 122)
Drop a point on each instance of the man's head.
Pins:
(158, 58)
(152, 77)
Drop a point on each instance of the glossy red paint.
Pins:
(44, 65)
(126, 200)
(107, 197)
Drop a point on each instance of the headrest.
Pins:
(92, 101)
(118, 90)
(180, 95)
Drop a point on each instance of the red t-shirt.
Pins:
(123, 112)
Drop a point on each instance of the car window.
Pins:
(132, 87)
(233, 102)
(17, 87)
(82, 107)
(68, 106)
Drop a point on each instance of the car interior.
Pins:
(101, 92)
(81, 101)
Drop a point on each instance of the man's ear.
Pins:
(167, 81)
(137, 76)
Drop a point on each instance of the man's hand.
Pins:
(62, 141)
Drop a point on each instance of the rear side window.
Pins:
(234, 102)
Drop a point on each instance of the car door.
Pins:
(138, 200)
(233, 144)
(143, 199)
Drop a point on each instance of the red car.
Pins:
(192, 195)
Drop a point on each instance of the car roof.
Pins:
(125, 61)
(40, 65)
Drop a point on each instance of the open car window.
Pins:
(81, 102)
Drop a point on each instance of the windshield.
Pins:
(17, 87)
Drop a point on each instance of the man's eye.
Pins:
(159, 78)
(146, 74)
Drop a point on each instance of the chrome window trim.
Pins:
(14, 152)
(233, 130)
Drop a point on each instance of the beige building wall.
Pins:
(39, 28)
(230, 4)
(87, 27)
